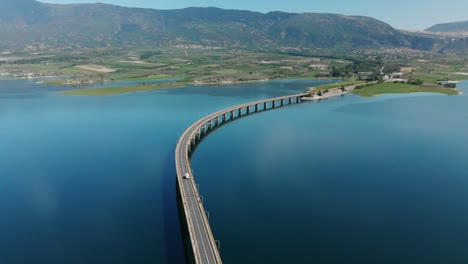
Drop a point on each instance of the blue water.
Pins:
(345, 180)
(92, 179)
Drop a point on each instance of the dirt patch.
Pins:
(269, 62)
(407, 69)
(461, 73)
(95, 68)
(134, 61)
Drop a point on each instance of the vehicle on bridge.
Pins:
(187, 176)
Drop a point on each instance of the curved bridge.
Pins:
(203, 244)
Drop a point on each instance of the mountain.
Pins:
(27, 10)
(450, 27)
(31, 25)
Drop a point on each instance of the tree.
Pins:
(375, 76)
(388, 69)
(415, 81)
(450, 85)
(335, 72)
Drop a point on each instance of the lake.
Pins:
(344, 180)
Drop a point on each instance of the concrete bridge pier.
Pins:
(202, 248)
(203, 131)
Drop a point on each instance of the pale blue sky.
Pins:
(403, 14)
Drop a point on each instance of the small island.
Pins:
(385, 88)
(124, 89)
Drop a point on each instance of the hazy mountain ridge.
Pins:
(40, 26)
(450, 27)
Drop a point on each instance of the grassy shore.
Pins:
(131, 76)
(338, 84)
(124, 89)
(136, 76)
(386, 88)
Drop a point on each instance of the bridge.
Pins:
(204, 247)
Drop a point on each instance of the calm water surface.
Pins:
(346, 180)
(92, 179)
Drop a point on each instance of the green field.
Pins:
(386, 88)
(125, 89)
(199, 66)
(192, 65)
(135, 76)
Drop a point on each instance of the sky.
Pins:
(401, 14)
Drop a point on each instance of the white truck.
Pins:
(187, 176)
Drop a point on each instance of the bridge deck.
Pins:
(201, 238)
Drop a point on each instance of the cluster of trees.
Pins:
(319, 93)
(391, 68)
(360, 65)
(450, 85)
(415, 81)
(375, 76)
(339, 72)
(148, 54)
(364, 64)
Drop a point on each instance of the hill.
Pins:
(454, 27)
(28, 25)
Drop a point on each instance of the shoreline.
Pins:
(334, 92)
(324, 94)
(230, 83)
(108, 91)
(264, 80)
(56, 80)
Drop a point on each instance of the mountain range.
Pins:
(31, 25)
(454, 27)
